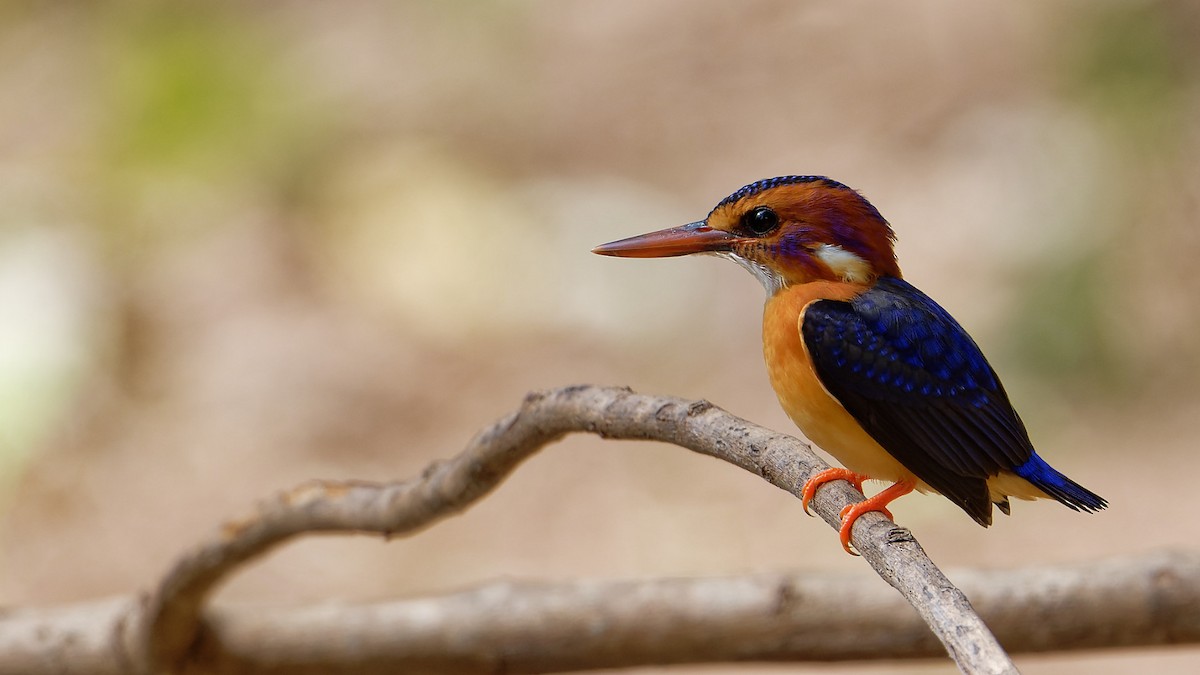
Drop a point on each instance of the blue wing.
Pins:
(920, 386)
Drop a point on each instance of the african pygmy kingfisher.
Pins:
(870, 368)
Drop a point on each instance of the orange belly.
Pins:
(818, 414)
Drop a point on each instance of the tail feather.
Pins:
(1053, 483)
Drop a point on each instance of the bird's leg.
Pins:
(810, 488)
(877, 503)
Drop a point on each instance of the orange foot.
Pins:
(877, 503)
(810, 488)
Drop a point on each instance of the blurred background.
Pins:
(245, 245)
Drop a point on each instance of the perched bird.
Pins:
(870, 368)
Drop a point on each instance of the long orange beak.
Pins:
(691, 238)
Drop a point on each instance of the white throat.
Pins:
(849, 267)
(765, 275)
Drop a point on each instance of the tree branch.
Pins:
(540, 628)
(168, 629)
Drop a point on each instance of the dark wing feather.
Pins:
(919, 385)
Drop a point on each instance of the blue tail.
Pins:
(1053, 483)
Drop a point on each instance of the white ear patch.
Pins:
(845, 264)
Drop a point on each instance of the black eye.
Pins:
(761, 220)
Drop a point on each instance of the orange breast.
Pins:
(818, 414)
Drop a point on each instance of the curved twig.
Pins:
(170, 624)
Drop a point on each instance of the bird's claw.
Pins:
(852, 512)
(823, 477)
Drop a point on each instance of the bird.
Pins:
(871, 369)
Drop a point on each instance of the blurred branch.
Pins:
(166, 632)
(172, 622)
(539, 628)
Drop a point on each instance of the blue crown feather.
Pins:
(768, 183)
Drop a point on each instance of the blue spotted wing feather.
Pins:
(918, 384)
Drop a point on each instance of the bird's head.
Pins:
(786, 230)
